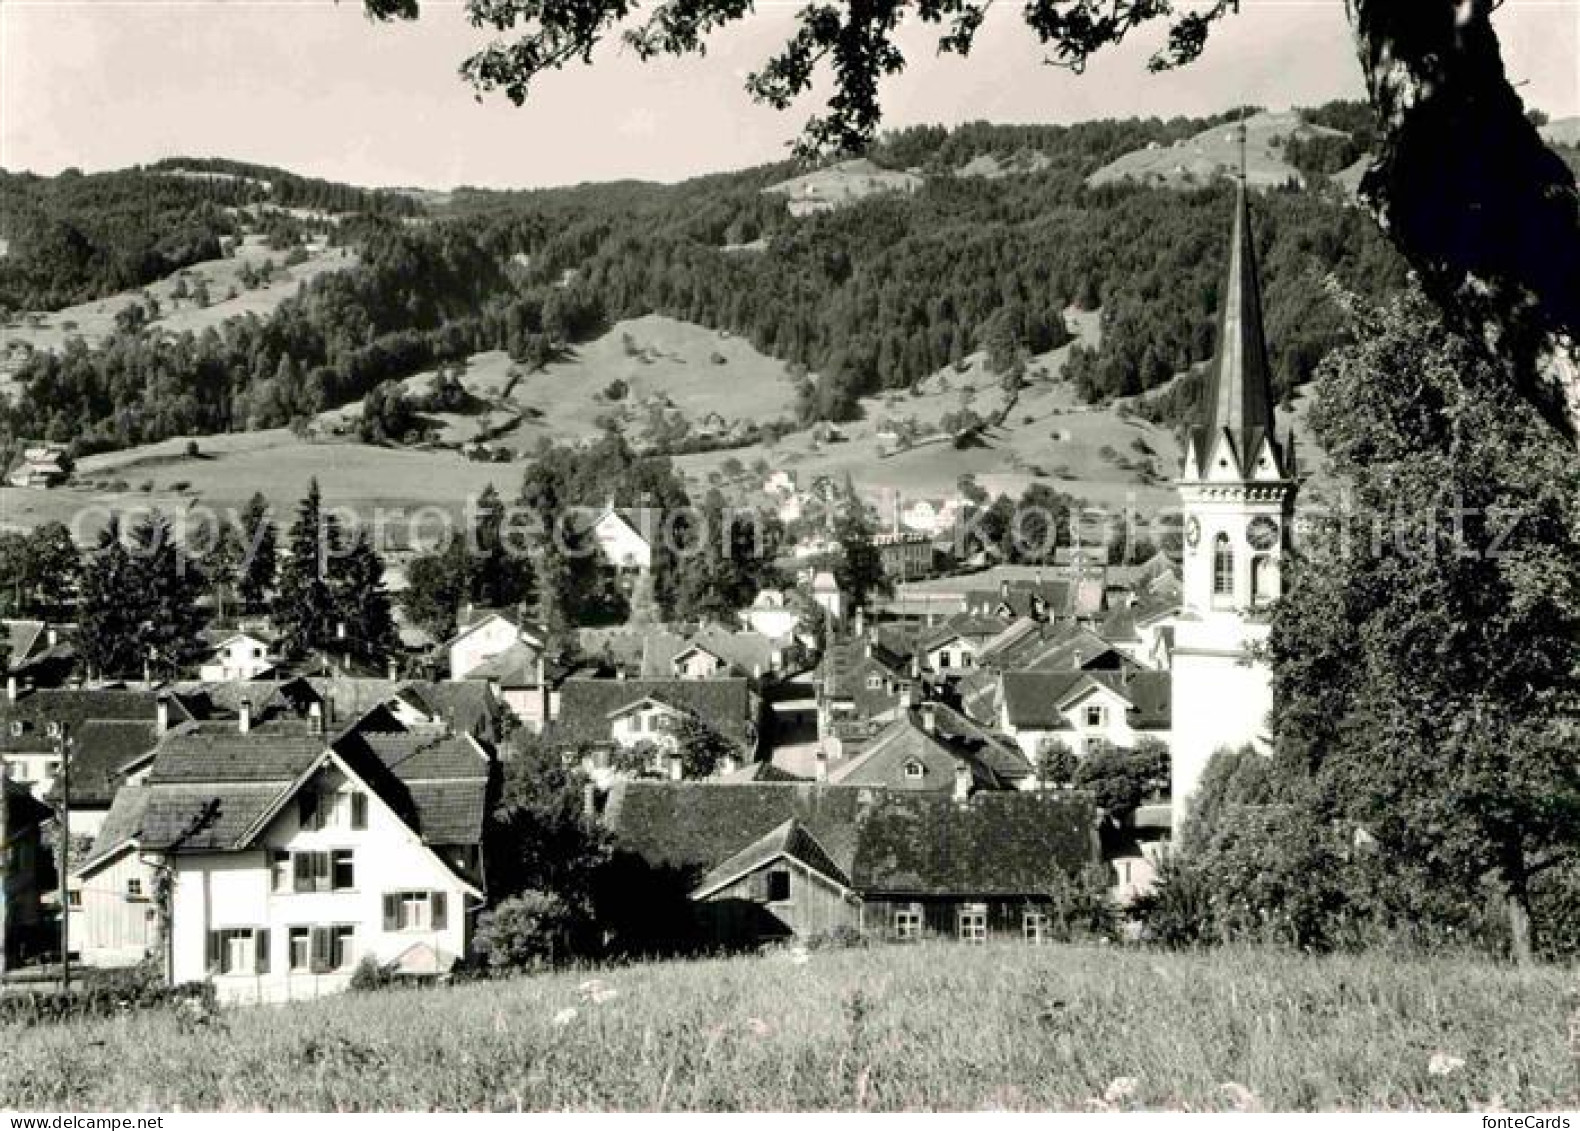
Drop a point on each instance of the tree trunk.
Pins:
(1485, 213)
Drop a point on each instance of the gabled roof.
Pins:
(994, 762)
(516, 666)
(966, 626)
(71, 707)
(23, 637)
(586, 705)
(123, 825)
(101, 751)
(791, 840)
(1034, 700)
(747, 653)
(885, 842)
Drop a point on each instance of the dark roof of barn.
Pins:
(100, 752)
(884, 841)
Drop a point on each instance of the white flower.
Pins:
(757, 1027)
(1442, 1064)
(1120, 1088)
(591, 986)
(598, 997)
(799, 955)
(1238, 1096)
(564, 1017)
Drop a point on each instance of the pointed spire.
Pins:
(1240, 399)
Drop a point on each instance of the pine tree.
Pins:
(259, 563)
(304, 608)
(138, 611)
(105, 620)
(362, 603)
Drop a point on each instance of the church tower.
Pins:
(1237, 494)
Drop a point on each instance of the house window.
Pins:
(359, 811)
(134, 888)
(1034, 926)
(16, 728)
(332, 948)
(52, 728)
(343, 871)
(280, 870)
(973, 923)
(74, 899)
(238, 950)
(914, 771)
(778, 886)
(1222, 567)
(300, 944)
(1095, 715)
(874, 682)
(1264, 580)
(943, 660)
(415, 911)
(908, 924)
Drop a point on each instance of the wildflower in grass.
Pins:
(1442, 1064)
(799, 955)
(757, 1027)
(564, 1017)
(1238, 1096)
(1120, 1089)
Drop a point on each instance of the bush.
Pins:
(121, 993)
(843, 937)
(525, 931)
(1081, 906)
(192, 449)
(369, 975)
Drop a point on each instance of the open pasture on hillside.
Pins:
(929, 1027)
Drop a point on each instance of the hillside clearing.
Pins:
(933, 1027)
(1214, 152)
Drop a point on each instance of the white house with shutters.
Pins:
(238, 657)
(290, 859)
(485, 637)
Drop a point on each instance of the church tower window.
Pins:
(1222, 568)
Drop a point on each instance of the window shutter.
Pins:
(307, 814)
(302, 871)
(391, 912)
(437, 910)
(260, 939)
(759, 887)
(215, 943)
(320, 949)
(359, 810)
(321, 874)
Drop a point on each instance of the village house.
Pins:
(292, 855)
(860, 681)
(624, 539)
(710, 653)
(26, 872)
(905, 554)
(952, 647)
(932, 749)
(38, 727)
(41, 654)
(1087, 710)
(40, 465)
(782, 860)
(771, 615)
(522, 680)
(827, 596)
(484, 635)
(600, 718)
(237, 656)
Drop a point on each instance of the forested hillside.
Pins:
(872, 295)
(77, 237)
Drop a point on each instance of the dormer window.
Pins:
(914, 770)
(1095, 715)
(52, 729)
(874, 682)
(17, 727)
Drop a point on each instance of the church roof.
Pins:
(1240, 396)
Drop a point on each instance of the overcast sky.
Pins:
(314, 87)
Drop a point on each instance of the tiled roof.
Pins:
(70, 707)
(748, 653)
(971, 626)
(995, 763)
(23, 810)
(516, 666)
(1032, 698)
(884, 841)
(100, 751)
(122, 823)
(586, 705)
(789, 839)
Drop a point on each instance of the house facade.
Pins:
(291, 859)
(1086, 710)
(240, 656)
(485, 637)
(26, 870)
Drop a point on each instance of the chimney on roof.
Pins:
(53, 636)
(929, 716)
(162, 712)
(861, 621)
(244, 718)
(10, 687)
(315, 718)
(540, 672)
(1003, 588)
(340, 630)
(1076, 660)
(589, 801)
(821, 772)
(676, 770)
(394, 670)
(963, 781)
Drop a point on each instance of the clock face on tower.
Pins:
(1192, 531)
(1262, 533)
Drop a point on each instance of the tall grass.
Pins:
(925, 1027)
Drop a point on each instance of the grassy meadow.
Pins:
(936, 1026)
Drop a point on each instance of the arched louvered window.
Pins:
(1222, 567)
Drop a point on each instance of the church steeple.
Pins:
(1240, 400)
